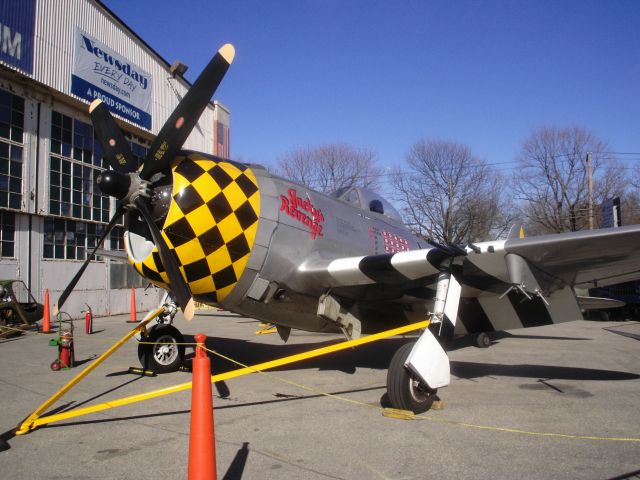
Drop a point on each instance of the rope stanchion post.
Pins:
(202, 446)
(133, 318)
(46, 316)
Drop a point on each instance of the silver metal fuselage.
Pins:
(318, 227)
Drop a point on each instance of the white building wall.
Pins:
(56, 23)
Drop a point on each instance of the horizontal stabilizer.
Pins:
(599, 303)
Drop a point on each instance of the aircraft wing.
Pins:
(587, 258)
(584, 259)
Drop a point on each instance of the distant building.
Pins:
(55, 58)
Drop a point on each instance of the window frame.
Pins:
(14, 168)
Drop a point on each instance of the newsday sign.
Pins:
(99, 72)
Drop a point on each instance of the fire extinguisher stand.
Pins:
(64, 342)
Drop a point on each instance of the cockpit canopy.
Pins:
(367, 200)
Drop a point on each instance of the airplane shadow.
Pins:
(470, 370)
(219, 314)
(376, 355)
(465, 341)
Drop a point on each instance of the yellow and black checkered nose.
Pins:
(211, 226)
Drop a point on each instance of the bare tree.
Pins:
(630, 206)
(552, 178)
(329, 167)
(448, 194)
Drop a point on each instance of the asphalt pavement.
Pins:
(558, 401)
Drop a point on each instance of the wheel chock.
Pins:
(398, 413)
(266, 328)
(142, 372)
(437, 405)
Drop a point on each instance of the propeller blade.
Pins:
(76, 278)
(179, 287)
(115, 146)
(179, 125)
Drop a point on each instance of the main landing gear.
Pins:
(405, 391)
(162, 350)
(419, 368)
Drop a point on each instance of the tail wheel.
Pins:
(405, 392)
(164, 352)
(483, 340)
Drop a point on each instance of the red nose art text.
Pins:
(303, 211)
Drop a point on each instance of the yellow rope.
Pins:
(430, 418)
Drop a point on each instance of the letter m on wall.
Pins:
(17, 29)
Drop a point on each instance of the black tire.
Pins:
(165, 356)
(483, 340)
(403, 391)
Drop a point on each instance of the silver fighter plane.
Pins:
(234, 235)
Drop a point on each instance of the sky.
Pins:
(385, 74)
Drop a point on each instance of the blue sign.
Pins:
(100, 72)
(17, 31)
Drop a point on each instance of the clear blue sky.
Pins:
(385, 74)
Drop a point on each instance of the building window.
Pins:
(11, 148)
(7, 233)
(75, 163)
(68, 239)
(139, 151)
(116, 240)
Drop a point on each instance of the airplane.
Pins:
(239, 237)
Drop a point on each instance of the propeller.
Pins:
(114, 145)
(76, 278)
(179, 287)
(179, 125)
(133, 188)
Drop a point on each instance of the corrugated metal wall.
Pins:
(56, 23)
(53, 46)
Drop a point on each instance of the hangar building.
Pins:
(55, 58)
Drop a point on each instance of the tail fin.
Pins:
(516, 230)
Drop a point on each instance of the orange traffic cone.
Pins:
(46, 316)
(132, 315)
(202, 442)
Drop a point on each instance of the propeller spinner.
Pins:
(133, 188)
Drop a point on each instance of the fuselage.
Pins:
(240, 235)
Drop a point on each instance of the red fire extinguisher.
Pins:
(88, 320)
(66, 355)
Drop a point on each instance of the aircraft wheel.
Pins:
(483, 340)
(403, 391)
(166, 353)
